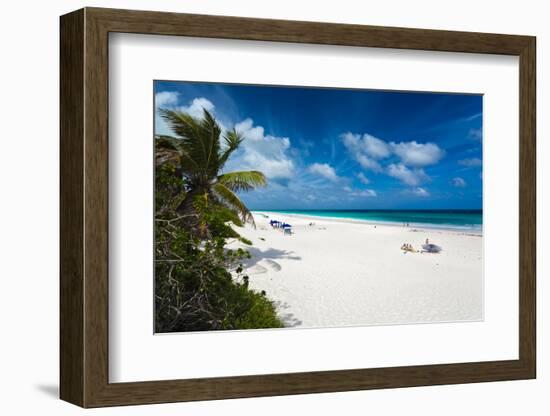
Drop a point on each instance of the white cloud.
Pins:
(366, 150)
(418, 154)
(246, 127)
(197, 106)
(268, 154)
(475, 134)
(368, 163)
(169, 99)
(471, 162)
(408, 176)
(363, 178)
(166, 98)
(374, 147)
(365, 193)
(347, 189)
(458, 182)
(324, 170)
(371, 152)
(420, 192)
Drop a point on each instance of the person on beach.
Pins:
(408, 247)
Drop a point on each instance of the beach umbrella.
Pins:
(431, 248)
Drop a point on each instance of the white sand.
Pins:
(340, 272)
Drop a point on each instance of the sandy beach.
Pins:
(341, 272)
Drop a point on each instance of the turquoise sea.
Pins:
(448, 219)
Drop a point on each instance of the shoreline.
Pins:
(344, 272)
(413, 227)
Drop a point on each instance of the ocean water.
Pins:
(447, 219)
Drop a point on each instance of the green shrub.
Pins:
(194, 288)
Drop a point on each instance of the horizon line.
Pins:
(366, 209)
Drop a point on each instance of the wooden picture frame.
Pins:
(84, 207)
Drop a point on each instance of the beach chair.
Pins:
(287, 229)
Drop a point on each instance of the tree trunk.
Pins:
(192, 220)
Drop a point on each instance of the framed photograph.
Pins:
(260, 207)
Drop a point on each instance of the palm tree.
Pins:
(199, 156)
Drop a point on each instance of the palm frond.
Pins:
(243, 180)
(166, 155)
(232, 141)
(182, 124)
(200, 139)
(199, 154)
(230, 199)
(211, 131)
(168, 148)
(230, 215)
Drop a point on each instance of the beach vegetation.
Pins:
(198, 153)
(201, 284)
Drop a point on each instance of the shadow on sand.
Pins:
(269, 258)
(272, 254)
(288, 318)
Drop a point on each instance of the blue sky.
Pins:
(326, 148)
